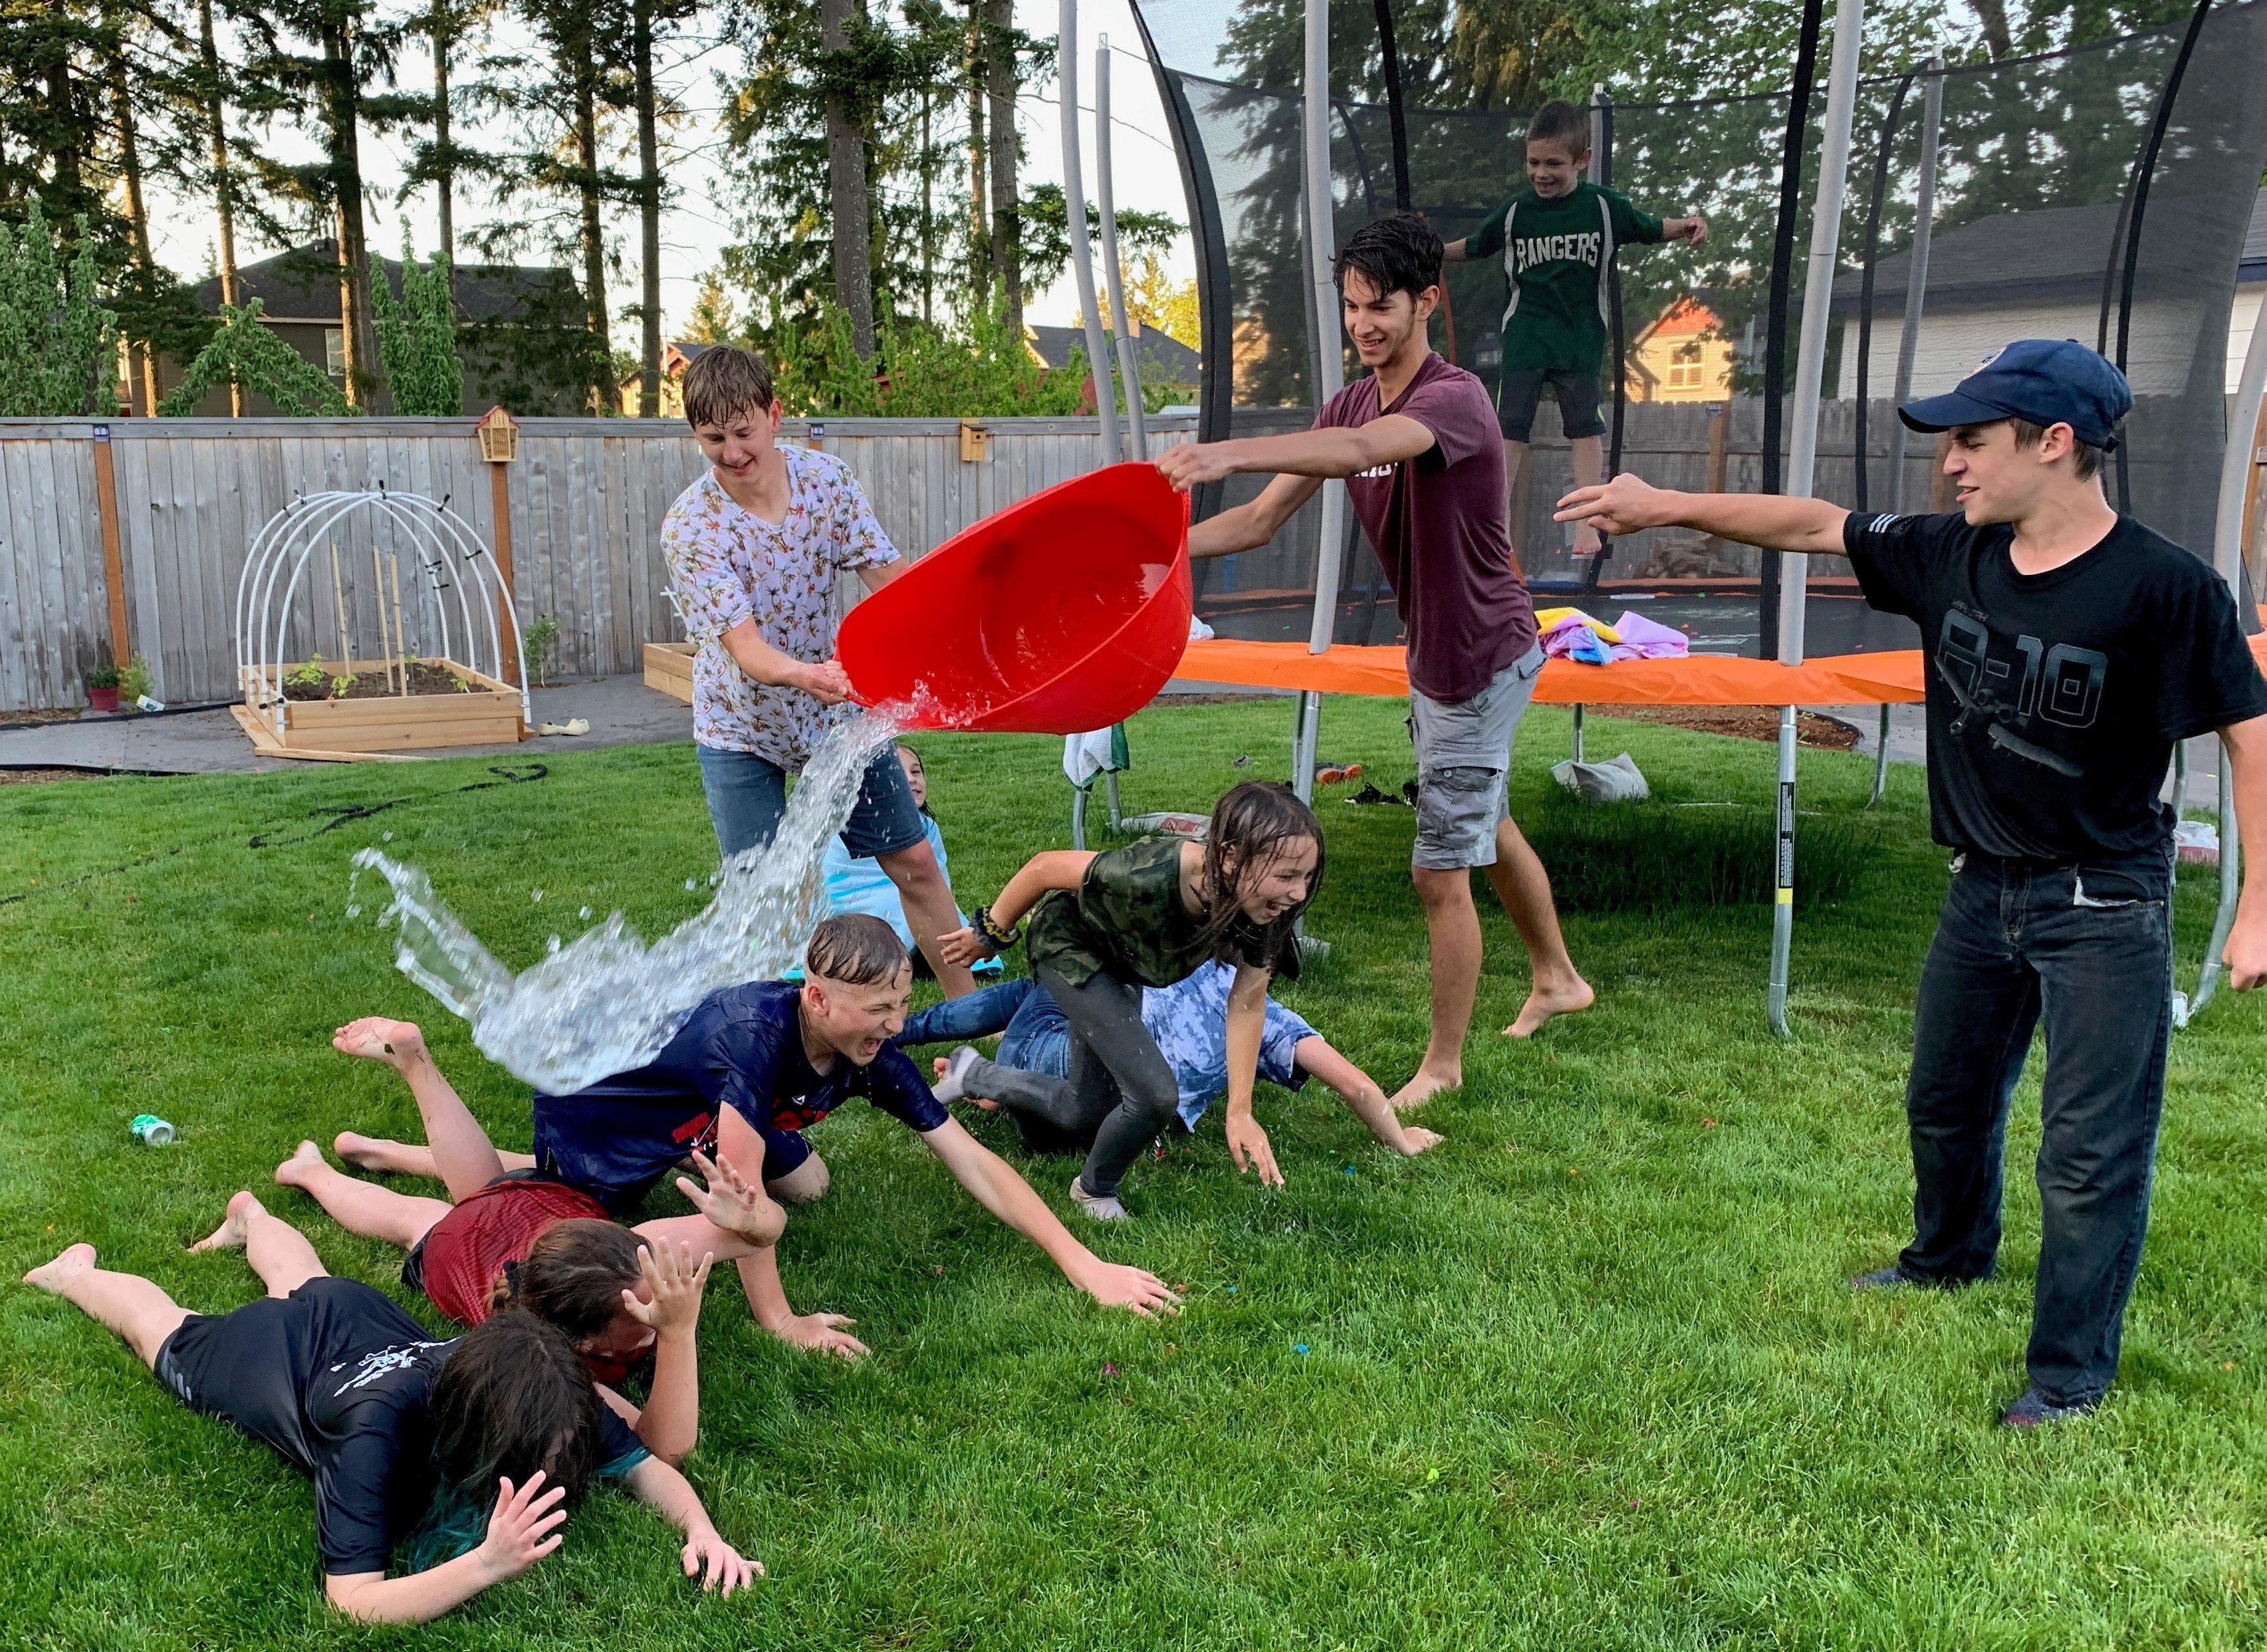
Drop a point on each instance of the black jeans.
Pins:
(1121, 1091)
(2089, 951)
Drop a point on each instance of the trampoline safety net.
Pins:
(2100, 193)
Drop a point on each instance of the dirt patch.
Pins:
(1746, 723)
(41, 776)
(423, 679)
(26, 719)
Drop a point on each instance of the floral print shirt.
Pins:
(727, 564)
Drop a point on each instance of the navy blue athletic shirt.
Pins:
(741, 1048)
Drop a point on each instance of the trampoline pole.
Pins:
(2227, 560)
(1931, 127)
(1082, 249)
(1881, 762)
(1113, 274)
(1330, 375)
(1802, 456)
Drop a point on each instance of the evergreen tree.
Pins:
(56, 339)
(417, 335)
(245, 352)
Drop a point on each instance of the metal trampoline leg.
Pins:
(2180, 778)
(1881, 762)
(1578, 734)
(2231, 887)
(1783, 882)
(1078, 817)
(1116, 815)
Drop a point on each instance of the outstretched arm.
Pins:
(1769, 522)
(992, 1182)
(2246, 747)
(1247, 1024)
(761, 663)
(670, 1421)
(739, 1147)
(1054, 868)
(1249, 526)
(1341, 449)
(707, 1555)
(1363, 1096)
(522, 1530)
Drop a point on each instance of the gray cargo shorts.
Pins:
(1463, 760)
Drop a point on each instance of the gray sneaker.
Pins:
(1097, 1206)
(954, 1085)
(2035, 1410)
(1883, 1279)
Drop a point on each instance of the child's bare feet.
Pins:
(1423, 1086)
(230, 1235)
(1558, 999)
(74, 1260)
(374, 1037)
(364, 1152)
(292, 1172)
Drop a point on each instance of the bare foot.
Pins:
(230, 1235)
(364, 1152)
(374, 1037)
(1423, 1088)
(1544, 1002)
(292, 1172)
(56, 1276)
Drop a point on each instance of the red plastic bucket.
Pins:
(1066, 611)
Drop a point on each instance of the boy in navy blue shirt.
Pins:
(757, 1065)
(2070, 647)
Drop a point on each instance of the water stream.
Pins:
(607, 1001)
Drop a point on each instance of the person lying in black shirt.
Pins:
(2069, 647)
(402, 1435)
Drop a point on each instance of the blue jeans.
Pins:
(2088, 952)
(1034, 1060)
(747, 794)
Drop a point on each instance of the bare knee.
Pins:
(805, 1182)
(913, 869)
(1442, 889)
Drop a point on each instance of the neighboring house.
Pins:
(2036, 274)
(675, 358)
(519, 328)
(1683, 355)
(1158, 357)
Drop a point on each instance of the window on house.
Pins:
(1684, 367)
(335, 351)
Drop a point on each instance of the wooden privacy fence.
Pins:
(132, 534)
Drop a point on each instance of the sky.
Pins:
(696, 228)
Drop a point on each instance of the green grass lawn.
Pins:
(1587, 1374)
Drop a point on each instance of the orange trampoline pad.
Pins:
(1696, 680)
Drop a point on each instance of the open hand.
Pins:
(674, 1282)
(718, 1564)
(523, 1528)
(964, 945)
(1247, 1146)
(826, 682)
(732, 1202)
(821, 1333)
(1115, 1285)
(1623, 505)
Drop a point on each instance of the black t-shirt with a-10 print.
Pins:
(2054, 698)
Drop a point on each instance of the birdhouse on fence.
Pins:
(499, 434)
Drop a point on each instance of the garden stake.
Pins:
(401, 638)
(385, 651)
(339, 591)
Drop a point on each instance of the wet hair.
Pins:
(855, 948)
(512, 1398)
(2085, 458)
(1399, 253)
(574, 1275)
(724, 381)
(1564, 124)
(1257, 820)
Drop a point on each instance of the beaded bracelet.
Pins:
(996, 937)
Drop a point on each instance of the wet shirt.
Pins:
(1439, 523)
(1556, 256)
(1127, 920)
(2054, 698)
(1190, 1024)
(742, 1047)
(727, 564)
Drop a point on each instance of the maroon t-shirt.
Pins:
(1439, 523)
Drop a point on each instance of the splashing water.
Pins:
(606, 1001)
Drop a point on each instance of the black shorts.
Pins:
(1576, 393)
(254, 1366)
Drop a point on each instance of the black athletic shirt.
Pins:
(2054, 698)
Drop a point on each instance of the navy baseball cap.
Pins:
(2044, 381)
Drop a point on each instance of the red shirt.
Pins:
(1440, 525)
(467, 1250)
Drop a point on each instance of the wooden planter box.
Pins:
(669, 668)
(488, 715)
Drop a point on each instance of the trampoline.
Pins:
(2134, 160)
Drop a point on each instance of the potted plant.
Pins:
(102, 686)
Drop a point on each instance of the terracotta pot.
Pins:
(102, 699)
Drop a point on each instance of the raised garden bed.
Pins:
(447, 704)
(669, 668)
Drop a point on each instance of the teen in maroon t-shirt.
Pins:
(1417, 445)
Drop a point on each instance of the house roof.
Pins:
(2011, 257)
(301, 285)
(1159, 357)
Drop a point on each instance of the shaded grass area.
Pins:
(1585, 1376)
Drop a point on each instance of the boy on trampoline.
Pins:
(470, 1453)
(753, 548)
(1556, 239)
(1416, 442)
(2069, 647)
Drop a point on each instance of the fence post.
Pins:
(114, 555)
(498, 435)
